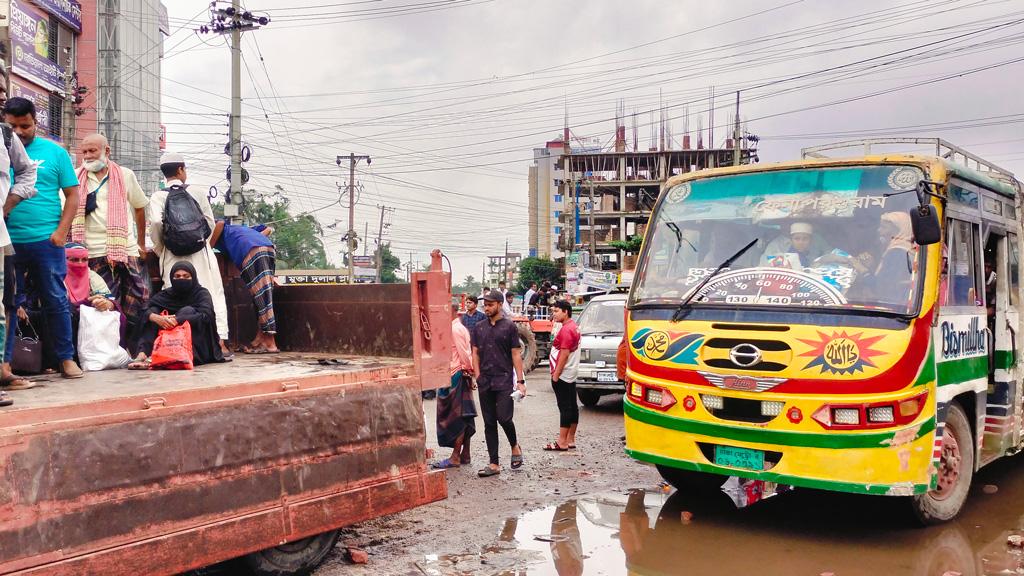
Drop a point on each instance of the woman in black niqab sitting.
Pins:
(184, 301)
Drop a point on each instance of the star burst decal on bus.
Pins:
(841, 353)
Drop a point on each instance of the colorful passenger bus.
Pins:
(845, 325)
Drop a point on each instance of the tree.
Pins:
(537, 270)
(389, 264)
(469, 286)
(631, 246)
(297, 239)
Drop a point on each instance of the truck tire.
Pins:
(588, 398)
(292, 559)
(528, 349)
(956, 467)
(687, 481)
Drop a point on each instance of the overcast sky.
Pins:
(450, 97)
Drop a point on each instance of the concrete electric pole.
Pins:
(234, 20)
(352, 161)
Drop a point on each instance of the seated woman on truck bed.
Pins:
(184, 301)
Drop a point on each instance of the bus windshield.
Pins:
(825, 238)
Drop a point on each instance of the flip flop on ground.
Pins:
(5, 399)
(444, 464)
(488, 471)
(139, 364)
(14, 383)
(259, 350)
(554, 447)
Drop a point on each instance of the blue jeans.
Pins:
(45, 267)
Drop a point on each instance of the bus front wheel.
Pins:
(689, 481)
(956, 466)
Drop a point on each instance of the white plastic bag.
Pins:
(99, 337)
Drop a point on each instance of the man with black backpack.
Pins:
(180, 224)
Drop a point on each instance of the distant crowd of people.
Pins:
(77, 237)
(486, 357)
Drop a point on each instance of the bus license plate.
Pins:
(739, 457)
(606, 377)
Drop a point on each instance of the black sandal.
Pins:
(487, 472)
(517, 461)
(5, 399)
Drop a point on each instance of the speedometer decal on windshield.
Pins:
(770, 287)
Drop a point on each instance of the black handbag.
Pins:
(27, 357)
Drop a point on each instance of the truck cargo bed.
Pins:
(125, 390)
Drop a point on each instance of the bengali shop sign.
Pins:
(21, 89)
(67, 11)
(30, 44)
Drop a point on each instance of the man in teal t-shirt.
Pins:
(39, 228)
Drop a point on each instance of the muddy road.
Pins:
(597, 512)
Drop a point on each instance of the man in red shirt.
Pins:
(565, 363)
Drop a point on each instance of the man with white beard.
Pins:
(111, 223)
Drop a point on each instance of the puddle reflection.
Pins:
(802, 532)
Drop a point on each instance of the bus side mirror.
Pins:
(925, 223)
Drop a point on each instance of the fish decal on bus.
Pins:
(659, 345)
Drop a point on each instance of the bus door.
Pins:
(1002, 320)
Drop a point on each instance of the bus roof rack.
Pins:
(943, 149)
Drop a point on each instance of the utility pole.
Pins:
(736, 133)
(235, 130)
(593, 233)
(380, 240)
(352, 161)
(408, 269)
(366, 234)
(504, 273)
(234, 20)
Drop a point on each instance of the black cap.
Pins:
(493, 296)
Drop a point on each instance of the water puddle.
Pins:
(641, 532)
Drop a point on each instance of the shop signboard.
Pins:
(30, 44)
(67, 11)
(22, 89)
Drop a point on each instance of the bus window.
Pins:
(963, 265)
(1014, 258)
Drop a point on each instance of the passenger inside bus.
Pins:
(890, 281)
(801, 240)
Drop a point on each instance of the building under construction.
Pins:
(584, 197)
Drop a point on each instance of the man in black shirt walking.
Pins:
(496, 362)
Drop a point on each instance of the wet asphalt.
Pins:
(595, 511)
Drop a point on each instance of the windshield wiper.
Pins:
(678, 314)
(679, 236)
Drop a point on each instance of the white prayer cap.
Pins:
(801, 228)
(172, 158)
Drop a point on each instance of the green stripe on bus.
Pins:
(835, 440)
(876, 489)
(1004, 359)
(927, 374)
(957, 371)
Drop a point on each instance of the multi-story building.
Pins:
(91, 66)
(546, 203)
(616, 191)
(129, 48)
(40, 48)
(502, 267)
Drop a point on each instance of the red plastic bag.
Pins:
(173, 349)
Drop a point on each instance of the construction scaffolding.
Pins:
(615, 190)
